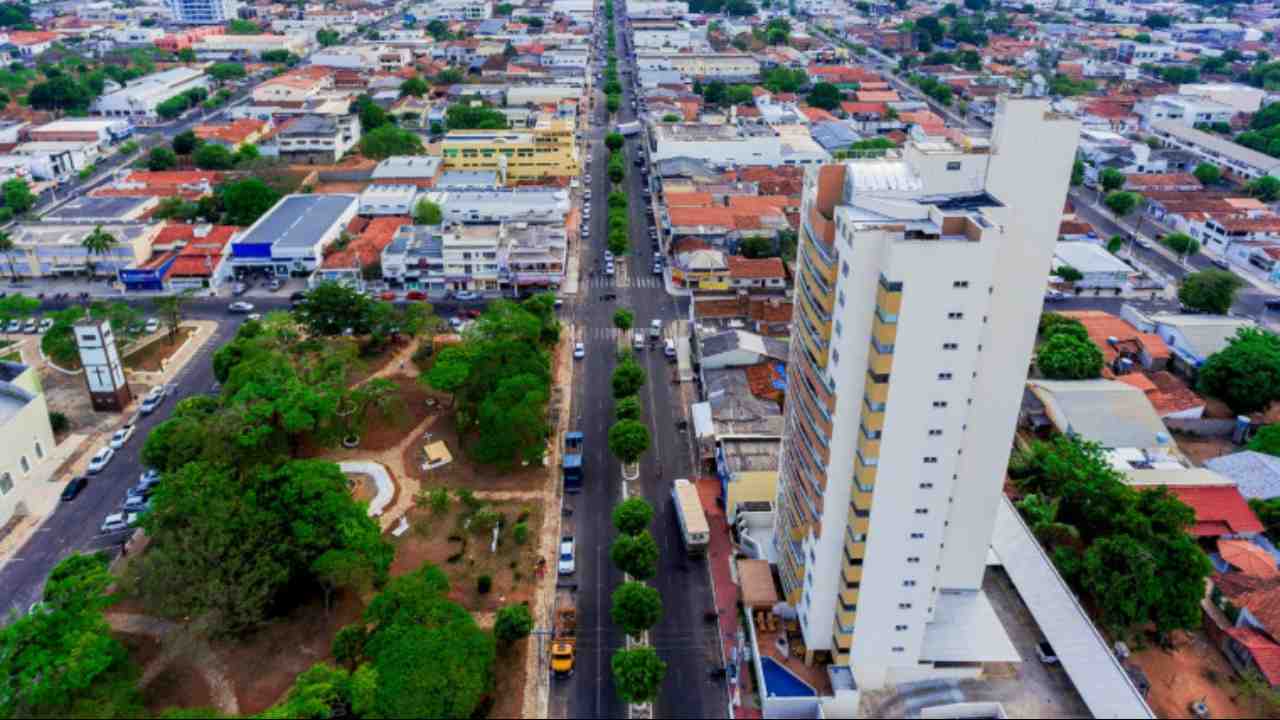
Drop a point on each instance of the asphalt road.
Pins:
(74, 525)
(683, 639)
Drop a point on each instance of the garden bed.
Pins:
(464, 554)
(461, 473)
(152, 357)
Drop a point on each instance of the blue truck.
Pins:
(571, 466)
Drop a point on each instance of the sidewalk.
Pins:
(724, 589)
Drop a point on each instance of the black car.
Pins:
(298, 296)
(74, 488)
(1272, 304)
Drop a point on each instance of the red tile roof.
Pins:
(755, 268)
(232, 133)
(1074, 227)
(1265, 652)
(1102, 326)
(201, 255)
(366, 248)
(189, 184)
(1220, 510)
(689, 199)
(864, 108)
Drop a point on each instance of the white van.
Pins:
(637, 342)
(669, 348)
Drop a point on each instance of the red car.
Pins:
(415, 295)
(388, 296)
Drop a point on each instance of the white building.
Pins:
(1100, 269)
(1189, 110)
(454, 10)
(1233, 159)
(388, 199)
(741, 144)
(203, 12)
(25, 456)
(1241, 98)
(138, 99)
(919, 287)
(531, 205)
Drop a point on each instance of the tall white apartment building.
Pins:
(204, 12)
(921, 277)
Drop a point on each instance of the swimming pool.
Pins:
(781, 682)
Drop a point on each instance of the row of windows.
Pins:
(6, 478)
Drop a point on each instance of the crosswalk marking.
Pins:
(611, 334)
(647, 281)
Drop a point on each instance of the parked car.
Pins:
(657, 268)
(669, 348)
(29, 326)
(239, 289)
(121, 437)
(149, 480)
(608, 256)
(455, 323)
(388, 295)
(74, 487)
(637, 342)
(567, 565)
(415, 295)
(608, 269)
(275, 284)
(240, 307)
(152, 400)
(137, 503)
(579, 351)
(1220, 263)
(655, 328)
(298, 296)
(45, 324)
(151, 326)
(1045, 652)
(118, 522)
(100, 460)
(1054, 296)
(465, 295)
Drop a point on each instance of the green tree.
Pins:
(161, 158)
(327, 38)
(1265, 188)
(824, 95)
(614, 141)
(415, 86)
(1122, 203)
(17, 195)
(627, 408)
(1114, 244)
(7, 248)
(243, 27)
(186, 142)
(60, 659)
(323, 691)
(1065, 357)
(387, 141)
(225, 71)
(622, 318)
(638, 674)
(1111, 179)
(1266, 440)
(1077, 173)
(632, 516)
(1268, 511)
(1208, 173)
(617, 169)
(512, 623)
(1212, 290)
(212, 156)
(60, 93)
(628, 440)
(371, 116)
(628, 378)
(635, 555)
(1246, 373)
(1068, 326)
(1068, 273)
(427, 213)
(98, 243)
(636, 607)
(471, 115)
(1181, 243)
(330, 309)
(612, 103)
(246, 200)
(171, 308)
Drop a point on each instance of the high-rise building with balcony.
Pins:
(204, 12)
(920, 278)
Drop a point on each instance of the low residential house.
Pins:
(1255, 474)
(1244, 620)
(50, 160)
(351, 263)
(1238, 235)
(698, 267)
(187, 184)
(101, 133)
(739, 348)
(139, 98)
(232, 135)
(1191, 338)
(757, 273)
(1169, 395)
(1162, 182)
(312, 139)
(1116, 415)
(536, 256)
(1100, 269)
(769, 315)
(1077, 230)
(293, 89)
(1187, 110)
(1124, 347)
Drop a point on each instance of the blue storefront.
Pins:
(148, 277)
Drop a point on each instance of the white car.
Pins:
(253, 316)
(608, 269)
(608, 256)
(100, 460)
(240, 307)
(579, 351)
(152, 400)
(151, 326)
(149, 479)
(14, 326)
(121, 437)
(45, 324)
(567, 564)
(117, 522)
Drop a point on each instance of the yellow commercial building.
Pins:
(546, 150)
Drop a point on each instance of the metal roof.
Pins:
(298, 220)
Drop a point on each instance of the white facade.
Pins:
(139, 98)
(25, 455)
(203, 12)
(455, 10)
(1189, 110)
(388, 200)
(1241, 98)
(726, 145)
(922, 278)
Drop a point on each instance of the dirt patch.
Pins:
(179, 684)
(375, 364)
(464, 555)
(151, 358)
(1193, 670)
(384, 431)
(1200, 449)
(510, 679)
(263, 666)
(68, 395)
(463, 474)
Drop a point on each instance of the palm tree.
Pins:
(98, 242)
(7, 246)
(170, 308)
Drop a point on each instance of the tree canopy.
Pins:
(1211, 290)
(1128, 549)
(427, 213)
(628, 439)
(628, 378)
(638, 673)
(1246, 373)
(632, 516)
(388, 140)
(1066, 357)
(636, 607)
(468, 116)
(636, 555)
(244, 201)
